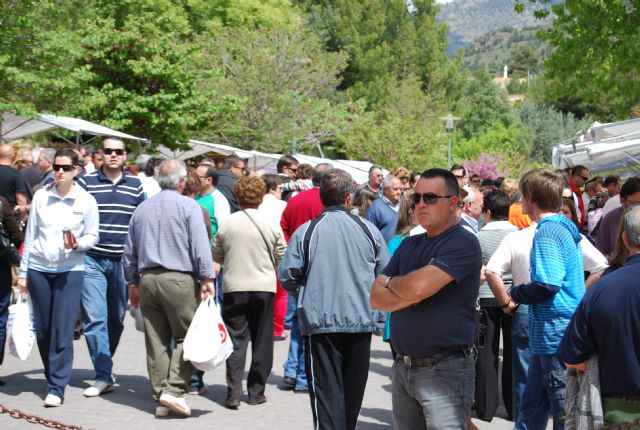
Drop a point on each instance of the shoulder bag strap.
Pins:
(271, 257)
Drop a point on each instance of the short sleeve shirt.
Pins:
(444, 321)
(11, 182)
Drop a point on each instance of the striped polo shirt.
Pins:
(116, 204)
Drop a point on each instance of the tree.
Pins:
(286, 82)
(386, 43)
(483, 105)
(524, 60)
(593, 67)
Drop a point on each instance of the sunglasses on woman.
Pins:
(428, 198)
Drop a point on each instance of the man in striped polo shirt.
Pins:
(555, 290)
(104, 295)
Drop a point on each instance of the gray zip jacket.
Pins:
(333, 294)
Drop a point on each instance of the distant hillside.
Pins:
(493, 50)
(470, 19)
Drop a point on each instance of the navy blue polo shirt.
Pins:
(607, 322)
(116, 204)
(444, 321)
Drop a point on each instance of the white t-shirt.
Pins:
(221, 208)
(513, 254)
(611, 204)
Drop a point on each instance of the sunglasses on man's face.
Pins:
(64, 167)
(109, 151)
(427, 198)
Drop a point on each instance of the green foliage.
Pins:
(386, 43)
(285, 79)
(593, 67)
(546, 127)
(483, 105)
(495, 139)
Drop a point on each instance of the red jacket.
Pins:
(300, 209)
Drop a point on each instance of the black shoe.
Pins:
(232, 403)
(289, 381)
(2, 382)
(258, 400)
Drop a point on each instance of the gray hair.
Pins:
(631, 225)
(142, 161)
(170, 173)
(48, 154)
(472, 195)
(318, 173)
(386, 182)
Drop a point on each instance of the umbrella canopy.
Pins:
(15, 127)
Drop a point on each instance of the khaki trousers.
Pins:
(168, 301)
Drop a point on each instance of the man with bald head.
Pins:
(12, 185)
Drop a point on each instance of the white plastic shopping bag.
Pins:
(20, 328)
(136, 313)
(207, 343)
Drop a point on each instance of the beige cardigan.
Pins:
(239, 246)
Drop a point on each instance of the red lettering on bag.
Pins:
(223, 333)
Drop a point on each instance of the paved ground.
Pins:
(130, 405)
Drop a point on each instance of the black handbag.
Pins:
(8, 252)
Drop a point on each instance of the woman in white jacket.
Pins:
(62, 225)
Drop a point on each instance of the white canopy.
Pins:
(257, 160)
(602, 147)
(15, 127)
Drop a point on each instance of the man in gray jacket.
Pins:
(330, 265)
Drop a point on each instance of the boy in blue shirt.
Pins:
(556, 288)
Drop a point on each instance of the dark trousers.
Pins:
(337, 371)
(5, 298)
(491, 321)
(249, 317)
(56, 302)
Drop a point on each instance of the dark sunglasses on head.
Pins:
(109, 151)
(427, 198)
(64, 167)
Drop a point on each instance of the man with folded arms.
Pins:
(432, 283)
(163, 262)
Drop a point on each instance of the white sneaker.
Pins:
(98, 388)
(52, 401)
(162, 411)
(176, 404)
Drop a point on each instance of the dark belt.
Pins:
(434, 359)
(158, 270)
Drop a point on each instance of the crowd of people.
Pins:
(443, 264)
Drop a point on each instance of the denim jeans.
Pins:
(104, 301)
(437, 396)
(521, 353)
(295, 366)
(292, 304)
(544, 394)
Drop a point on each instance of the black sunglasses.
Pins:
(428, 198)
(64, 167)
(585, 178)
(109, 151)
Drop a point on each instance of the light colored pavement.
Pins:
(130, 406)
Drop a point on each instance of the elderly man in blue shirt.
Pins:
(166, 254)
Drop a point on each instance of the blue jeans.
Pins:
(543, 394)
(295, 366)
(292, 304)
(104, 302)
(521, 353)
(56, 302)
(437, 396)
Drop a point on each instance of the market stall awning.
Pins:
(16, 127)
(602, 147)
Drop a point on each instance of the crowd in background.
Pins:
(103, 228)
